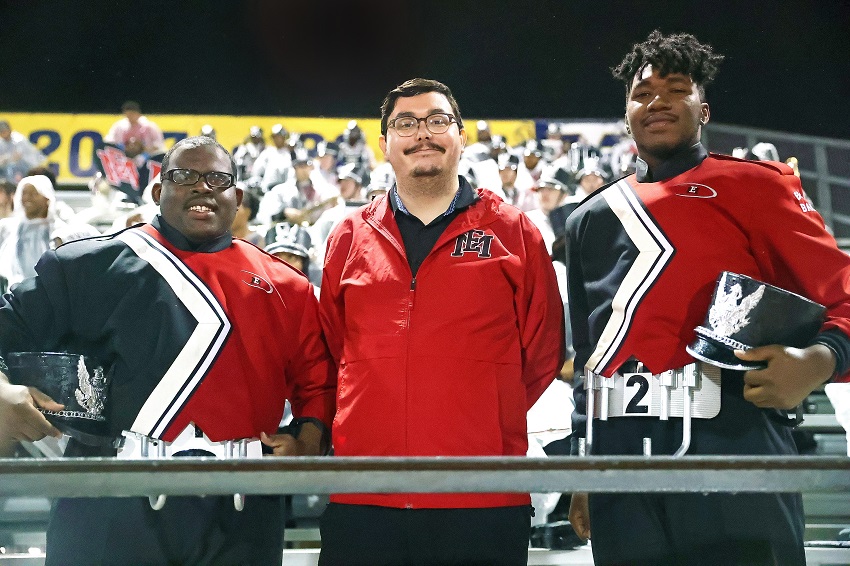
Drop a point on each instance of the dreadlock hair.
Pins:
(677, 53)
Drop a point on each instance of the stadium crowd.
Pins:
(296, 195)
(457, 374)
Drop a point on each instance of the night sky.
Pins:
(787, 66)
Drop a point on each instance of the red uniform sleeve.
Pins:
(540, 312)
(794, 250)
(331, 309)
(312, 373)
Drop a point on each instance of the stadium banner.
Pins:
(70, 140)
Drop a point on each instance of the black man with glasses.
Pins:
(440, 305)
(180, 314)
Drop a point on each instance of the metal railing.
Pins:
(92, 477)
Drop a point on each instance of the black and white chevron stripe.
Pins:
(654, 253)
(200, 350)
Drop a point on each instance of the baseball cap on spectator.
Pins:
(327, 148)
(351, 171)
(301, 157)
(591, 169)
(291, 238)
(508, 161)
(555, 177)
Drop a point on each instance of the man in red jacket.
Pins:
(440, 304)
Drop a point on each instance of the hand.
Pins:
(791, 374)
(308, 442)
(19, 417)
(580, 515)
(567, 371)
(295, 216)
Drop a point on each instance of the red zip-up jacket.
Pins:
(448, 363)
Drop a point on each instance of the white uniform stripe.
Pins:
(204, 344)
(654, 252)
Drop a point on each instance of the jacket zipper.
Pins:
(410, 298)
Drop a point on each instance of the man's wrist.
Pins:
(294, 429)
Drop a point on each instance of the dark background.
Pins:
(787, 66)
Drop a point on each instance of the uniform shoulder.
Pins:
(282, 272)
(768, 168)
(92, 245)
(591, 201)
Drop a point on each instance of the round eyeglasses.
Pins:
(186, 177)
(437, 123)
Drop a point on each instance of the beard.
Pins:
(431, 171)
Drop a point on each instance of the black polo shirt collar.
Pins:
(463, 198)
(181, 242)
(677, 164)
(418, 238)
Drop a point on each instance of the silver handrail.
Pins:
(92, 477)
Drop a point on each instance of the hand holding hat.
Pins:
(791, 374)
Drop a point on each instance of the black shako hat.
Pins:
(73, 380)
(746, 313)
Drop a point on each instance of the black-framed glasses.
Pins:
(187, 177)
(437, 123)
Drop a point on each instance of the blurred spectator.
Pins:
(521, 198)
(247, 153)
(351, 181)
(765, 151)
(590, 179)
(135, 132)
(7, 198)
(483, 140)
(245, 214)
(106, 204)
(624, 157)
(17, 154)
(25, 235)
(302, 198)
(762, 151)
(552, 189)
(380, 181)
(532, 165)
(553, 145)
(292, 244)
(274, 164)
(71, 232)
(353, 148)
(328, 154)
(61, 209)
(208, 131)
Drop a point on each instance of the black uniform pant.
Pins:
(369, 535)
(186, 531)
(698, 529)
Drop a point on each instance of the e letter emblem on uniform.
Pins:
(473, 241)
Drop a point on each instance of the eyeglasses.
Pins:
(188, 177)
(437, 123)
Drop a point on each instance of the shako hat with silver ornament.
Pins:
(746, 313)
(74, 380)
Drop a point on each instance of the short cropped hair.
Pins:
(415, 87)
(676, 53)
(193, 142)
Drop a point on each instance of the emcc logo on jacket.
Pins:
(473, 241)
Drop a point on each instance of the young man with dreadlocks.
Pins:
(644, 255)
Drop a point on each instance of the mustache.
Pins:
(424, 145)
